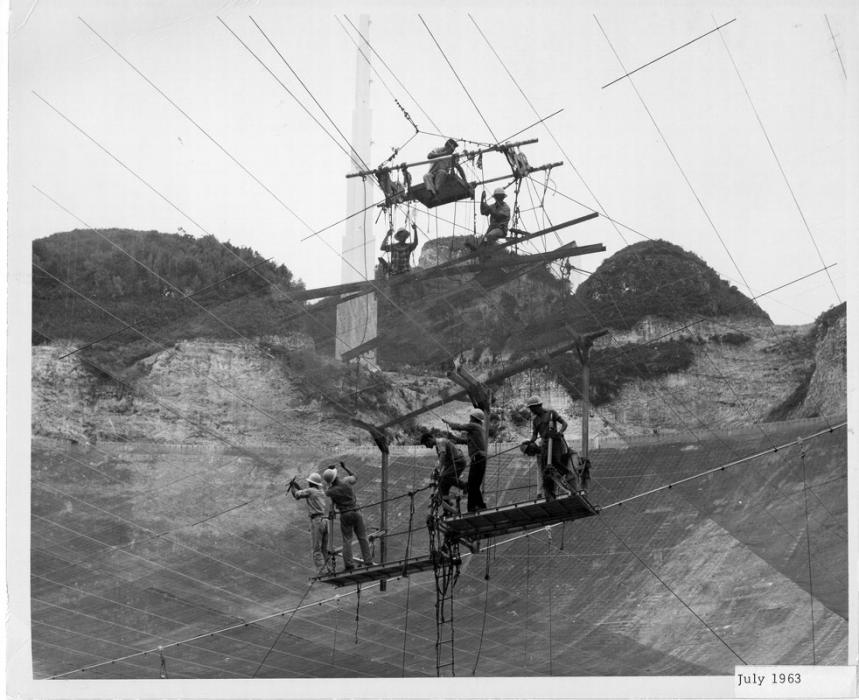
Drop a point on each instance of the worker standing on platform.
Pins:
(401, 251)
(555, 455)
(476, 441)
(499, 216)
(451, 464)
(316, 503)
(351, 521)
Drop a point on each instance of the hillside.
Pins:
(213, 361)
(135, 292)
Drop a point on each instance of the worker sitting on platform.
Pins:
(351, 521)
(555, 455)
(316, 507)
(451, 464)
(476, 441)
(499, 216)
(443, 167)
(400, 251)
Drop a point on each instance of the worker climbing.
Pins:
(314, 497)
(451, 464)
(476, 439)
(351, 521)
(499, 216)
(555, 456)
(401, 251)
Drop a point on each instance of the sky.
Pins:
(735, 147)
(740, 147)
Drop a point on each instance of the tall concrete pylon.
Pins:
(357, 318)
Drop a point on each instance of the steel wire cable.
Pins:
(361, 160)
(358, 163)
(573, 165)
(458, 79)
(777, 159)
(494, 545)
(195, 123)
(405, 89)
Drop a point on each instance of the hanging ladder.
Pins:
(444, 552)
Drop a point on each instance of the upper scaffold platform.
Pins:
(379, 572)
(529, 515)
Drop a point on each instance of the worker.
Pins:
(451, 464)
(400, 251)
(476, 441)
(498, 213)
(443, 166)
(351, 521)
(555, 455)
(314, 496)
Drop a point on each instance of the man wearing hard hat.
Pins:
(314, 498)
(351, 521)
(401, 251)
(498, 213)
(555, 455)
(475, 438)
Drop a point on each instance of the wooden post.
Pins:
(381, 440)
(586, 409)
(583, 349)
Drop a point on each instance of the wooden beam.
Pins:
(464, 154)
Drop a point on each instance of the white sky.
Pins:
(555, 50)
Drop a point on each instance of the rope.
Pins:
(283, 629)
(802, 451)
(163, 671)
(409, 538)
(485, 609)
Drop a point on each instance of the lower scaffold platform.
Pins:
(529, 515)
(379, 572)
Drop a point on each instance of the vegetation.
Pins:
(612, 368)
(92, 285)
(657, 278)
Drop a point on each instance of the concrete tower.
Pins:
(356, 319)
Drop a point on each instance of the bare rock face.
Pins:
(195, 392)
(826, 394)
(443, 249)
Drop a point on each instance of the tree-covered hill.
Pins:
(658, 278)
(88, 284)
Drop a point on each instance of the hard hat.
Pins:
(329, 474)
(401, 233)
(533, 401)
(451, 142)
(426, 439)
(314, 479)
(499, 192)
(477, 414)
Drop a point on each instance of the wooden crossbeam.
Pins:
(460, 156)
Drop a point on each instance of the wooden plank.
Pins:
(520, 516)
